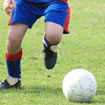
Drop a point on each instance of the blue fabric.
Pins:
(27, 14)
(14, 69)
(41, 1)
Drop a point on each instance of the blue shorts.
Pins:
(27, 13)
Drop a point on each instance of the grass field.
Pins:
(83, 48)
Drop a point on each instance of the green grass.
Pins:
(83, 48)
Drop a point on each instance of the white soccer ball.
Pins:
(79, 85)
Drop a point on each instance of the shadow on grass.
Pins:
(41, 89)
(33, 89)
(101, 91)
(46, 90)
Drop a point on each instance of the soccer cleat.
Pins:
(6, 85)
(50, 56)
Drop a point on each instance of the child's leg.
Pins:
(55, 22)
(13, 55)
(51, 39)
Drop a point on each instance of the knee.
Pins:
(53, 38)
(13, 42)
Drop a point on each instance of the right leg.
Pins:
(13, 55)
(15, 37)
(27, 14)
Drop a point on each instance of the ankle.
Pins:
(12, 80)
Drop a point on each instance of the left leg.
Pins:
(52, 37)
(56, 23)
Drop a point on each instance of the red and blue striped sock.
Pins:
(13, 64)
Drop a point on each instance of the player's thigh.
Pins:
(17, 32)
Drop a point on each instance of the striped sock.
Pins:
(13, 64)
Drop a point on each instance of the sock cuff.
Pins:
(13, 57)
(45, 41)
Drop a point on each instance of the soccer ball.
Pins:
(79, 85)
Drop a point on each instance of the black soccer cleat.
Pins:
(50, 56)
(5, 85)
